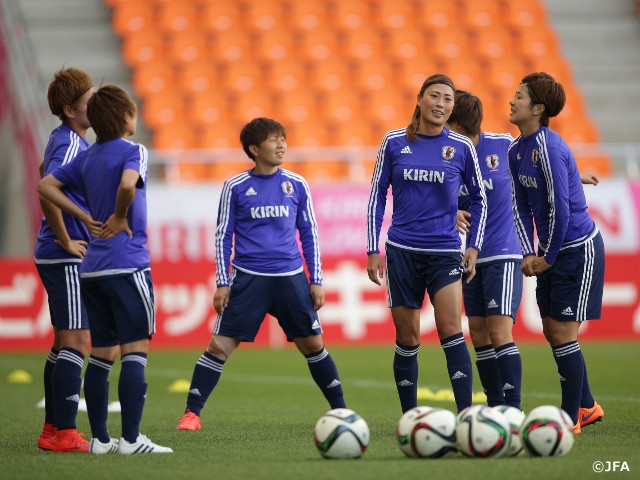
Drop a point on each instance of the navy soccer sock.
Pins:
(205, 377)
(405, 372)
(459, 368)
(67, 382)
(587, 400)
(571, 373)
(510, 365)
(96, 394)
(487, 365)
(132, 392)
(325, 373)
(49, 407)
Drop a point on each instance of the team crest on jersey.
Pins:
(448, 152)
(535, 155)
(492, 161)
(287, 187)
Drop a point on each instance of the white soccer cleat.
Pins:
(99, 448)
(141, 445)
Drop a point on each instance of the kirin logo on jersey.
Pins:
(287, 187)
(448, 152)
(492, 161)
(535, 156)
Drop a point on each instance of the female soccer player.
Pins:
(261, 212)
(115, 273)
(59, 249)
(425, 164)
(569, 265)
(492, 297)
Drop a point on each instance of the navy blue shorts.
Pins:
(251, 297)
(409, 274)
(495, 290)
(62, 283)
(121, 308)
(571, 290)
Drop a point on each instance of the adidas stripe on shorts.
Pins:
(495, 290)
(571, 290)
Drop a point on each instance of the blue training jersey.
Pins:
(425, 175)
(97, 173)
(500, 239)
(260, 217)
(547, 191)
(63, 146)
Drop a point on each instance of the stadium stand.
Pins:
(326, 68)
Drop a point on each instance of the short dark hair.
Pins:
(67, 86)
(438, 78)
(544, 90)
(108, 111)
(467, 112)
(257, 131)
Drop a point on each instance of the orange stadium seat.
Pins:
(361, 43)
(190, 46)
(286, 76)
(222, 134)
(210, 107)
(318, 44)
(440, 16)
(232, 45)
(393, 15)
(276, 45)
(216, 16)
(407, 44)
(350, 15)
(308, 15)
(174, 136)
(481, 13)
(161, 110)
(375, 73)
(141, 47)
(177, 16)
(331, 73)
(199, 77)
(525, 13)
(130, 17)
(265, 14)
(537, 41)
(244, 75)
(153, 78)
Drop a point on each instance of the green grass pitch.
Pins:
(258, 424)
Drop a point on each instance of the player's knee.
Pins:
(222, 347)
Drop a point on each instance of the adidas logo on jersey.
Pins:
(74, 398)
(458, 375)
(250, 192)
(335, 383)
(492, 304)
(316, 324)
(567, 311)
(405, 383)
(406, 150)
(195, 391)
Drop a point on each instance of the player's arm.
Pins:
(51, 189)
(588, 178)
(118, 222)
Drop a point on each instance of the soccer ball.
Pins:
(341, 433)
(427, 432)
(483, 432)
(547, 431)
(515, 417)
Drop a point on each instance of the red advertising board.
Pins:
(181, 232)
(355, 310)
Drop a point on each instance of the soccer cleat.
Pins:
(189, 421)
(99, 448)
(588, 416)
(577, 429)
(70, 441)
(141, 445)
(47, 437)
